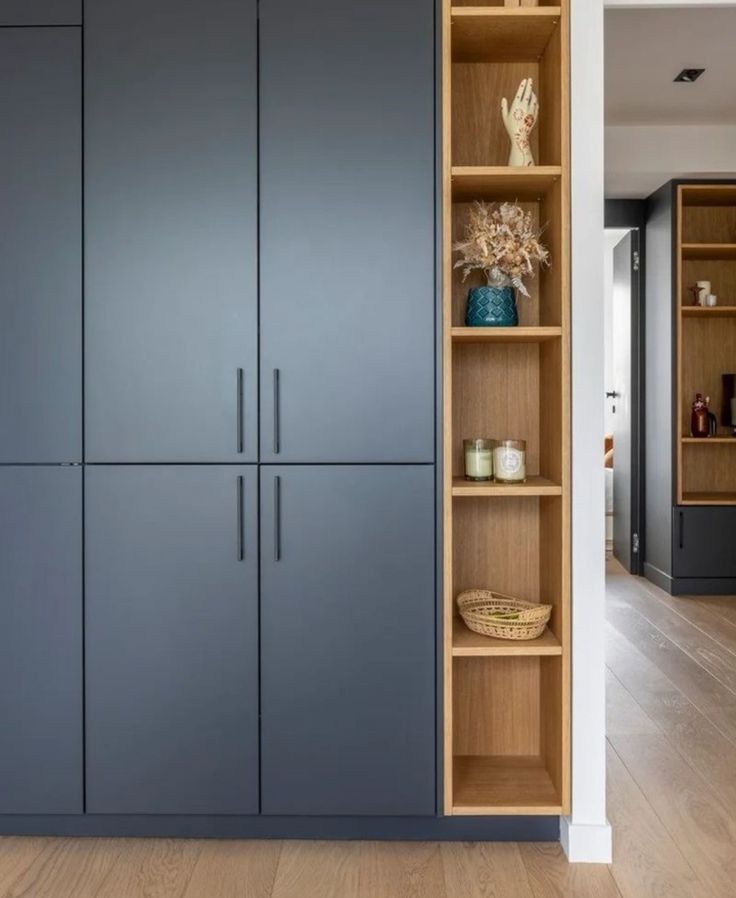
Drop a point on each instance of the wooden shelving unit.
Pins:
(706, 337)
(507, 704)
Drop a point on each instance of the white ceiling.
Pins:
(646, 48)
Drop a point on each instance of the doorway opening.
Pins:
(623, 456)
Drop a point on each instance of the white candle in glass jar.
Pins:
(478, 459)
(509, 461)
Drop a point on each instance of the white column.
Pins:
(586, 834)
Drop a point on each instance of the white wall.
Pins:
(586, 835)
(640, 158)
(674, 4)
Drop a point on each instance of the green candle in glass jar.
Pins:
(478, 459)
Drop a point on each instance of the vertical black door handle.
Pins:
(241, 518)
(682, 530)
(240, 412)
(277, 518)
(276, 412)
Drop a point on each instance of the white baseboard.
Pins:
(585, 843)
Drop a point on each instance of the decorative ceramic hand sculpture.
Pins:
(520, 120)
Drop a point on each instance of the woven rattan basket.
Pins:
(503, 617)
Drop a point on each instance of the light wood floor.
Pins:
(672, 801)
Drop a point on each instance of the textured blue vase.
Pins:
(492, 307)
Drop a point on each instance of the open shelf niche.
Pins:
(507, 704)
(706, 250)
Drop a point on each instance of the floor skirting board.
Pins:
(586, 843)
(489, 829)
(696, 586)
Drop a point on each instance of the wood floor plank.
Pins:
(151, 868)
(704, 832)
(485, 870)
(234, 869)
(647, 863)
(712, 657)
(690, 731)
(401, 870)
(687, 675)
(623, 714)
(67, 868)
(551, 876)
(326, 869)
(722, 606)
(16, 856)
(704, 618)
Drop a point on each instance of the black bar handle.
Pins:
(241, 415)
(276, 411)
(682, 530)
(241, 518)
(277, 518)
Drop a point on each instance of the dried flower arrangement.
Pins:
(501, 240)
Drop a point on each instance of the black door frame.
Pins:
(631, 214)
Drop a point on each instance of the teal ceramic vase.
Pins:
(491, 307)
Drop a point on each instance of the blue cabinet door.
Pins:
(41, 245)
(171, 230)
(171, 639)
(347, 230)
(41, 765)
(348, 640)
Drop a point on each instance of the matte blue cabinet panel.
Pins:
(41, 764)
(41, 245)
(347, 136)
(347, 640)
(171, 230)
(40, 12)
(172, 639)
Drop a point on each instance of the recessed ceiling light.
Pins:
(687, 76)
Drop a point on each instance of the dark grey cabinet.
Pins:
(41, 245)
(347, 230)
(171, 230)
(171, 622)
(704, 541)
(40, 12)
(347, 640)
(41, 640)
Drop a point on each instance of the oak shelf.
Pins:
(467, 644)
(498, 34)
(706, 441)
(704, 312)
(724, 498)
(534, 486)
(709, 251)
(505, 334)
(501, 182)
(505, 784)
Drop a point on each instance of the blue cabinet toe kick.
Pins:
(410, 829)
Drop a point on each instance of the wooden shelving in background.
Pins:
(507, 704)
(705, 313)
(709, 251)
(706, 337)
